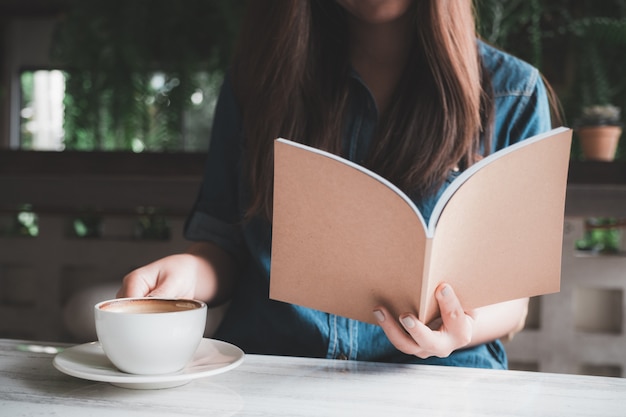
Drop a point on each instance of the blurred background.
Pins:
(142, 75)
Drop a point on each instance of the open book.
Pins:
(345, 240)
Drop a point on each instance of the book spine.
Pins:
(427, 308)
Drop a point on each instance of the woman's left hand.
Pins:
(409, 335)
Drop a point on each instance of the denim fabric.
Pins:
(260, 325)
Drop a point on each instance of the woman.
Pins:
(400, 86)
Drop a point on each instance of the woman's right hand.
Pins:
(205, 272)
(174, 276)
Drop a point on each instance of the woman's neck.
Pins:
(379, 54)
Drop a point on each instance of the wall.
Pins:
(580, 329)
(40, 276)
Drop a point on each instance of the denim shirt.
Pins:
(260, 325)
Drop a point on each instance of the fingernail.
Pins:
(408, 322)
(445, 290)
(379, 315)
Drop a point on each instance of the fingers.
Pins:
(413, 337)
(428, 341)
(456, 323)
(169, 277)
(167, 288)
(404, 340)
(143, 282)
(136, 284)
(395, 332)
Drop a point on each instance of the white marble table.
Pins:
(281, 386)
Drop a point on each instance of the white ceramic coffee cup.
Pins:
(150, 336)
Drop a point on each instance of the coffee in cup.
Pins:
(150, 336)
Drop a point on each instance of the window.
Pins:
(55, 116)
(41, 113)
(114, 76)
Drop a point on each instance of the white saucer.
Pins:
(88, 361)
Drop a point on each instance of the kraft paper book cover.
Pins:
(345, 240)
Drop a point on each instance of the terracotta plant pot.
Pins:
(599, 143)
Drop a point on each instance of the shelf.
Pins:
(597, 173)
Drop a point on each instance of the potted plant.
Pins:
(599, 129)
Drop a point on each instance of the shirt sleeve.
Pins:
(522, 116)
(215, 216)
(521, 101)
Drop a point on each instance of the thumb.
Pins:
(167, 287)
(139, 283)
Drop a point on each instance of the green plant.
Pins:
(23, 223)
(577, 44)
(600, 115)
(151, 225)
(133, 65)
(602, 235)
(602, 41)
(502, 23)
(87, 225)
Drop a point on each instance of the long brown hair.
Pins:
(291, 73)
